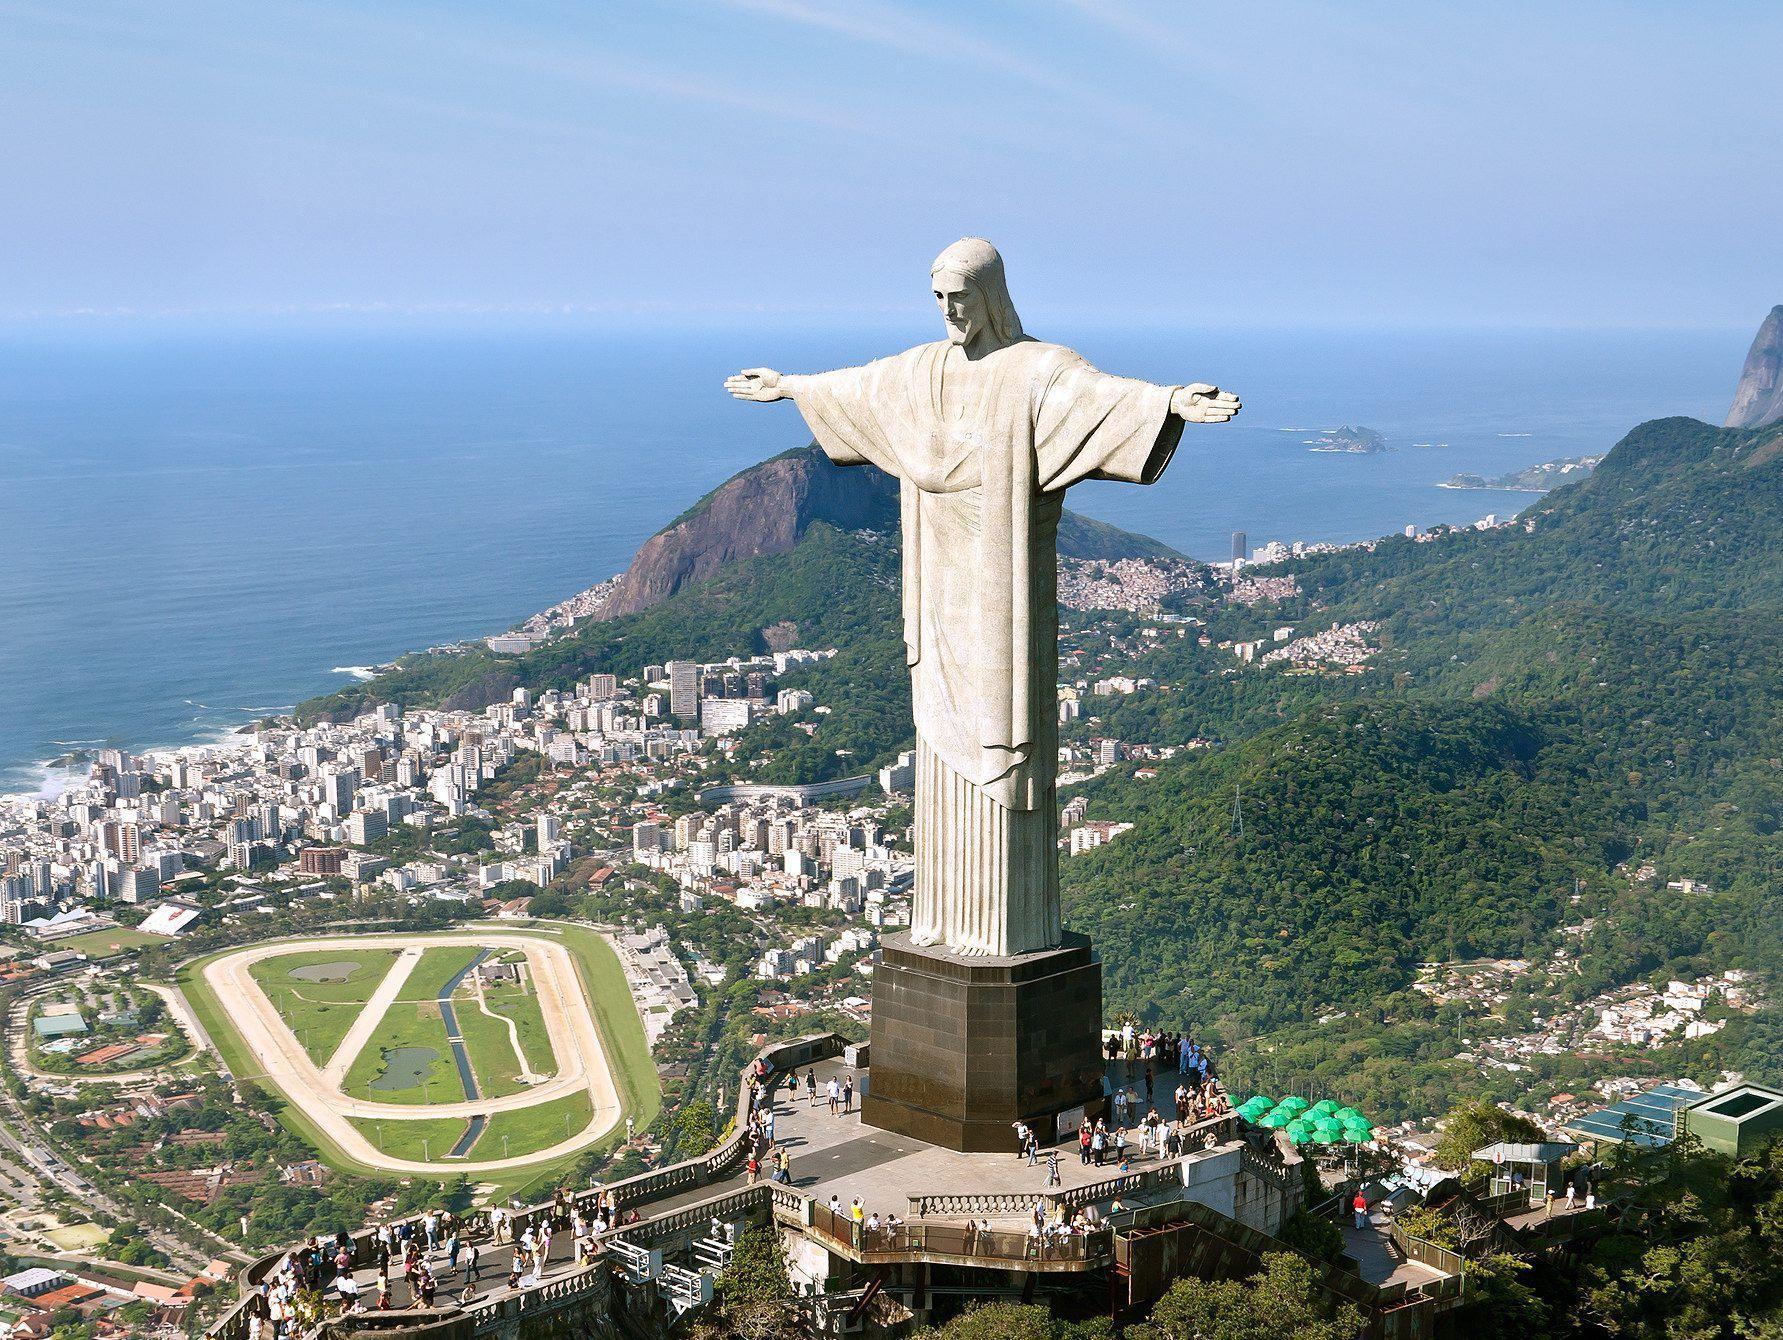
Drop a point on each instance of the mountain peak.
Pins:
(1759, 399)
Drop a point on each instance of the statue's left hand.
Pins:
(1201, 403)
(758, 384)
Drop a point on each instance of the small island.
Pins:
(1531, 479)
(1360, 441)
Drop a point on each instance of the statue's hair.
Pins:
(979, 262)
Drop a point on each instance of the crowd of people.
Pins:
(422, 1252)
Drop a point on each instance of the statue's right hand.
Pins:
(758, 384)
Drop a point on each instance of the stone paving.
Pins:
(1377, 1259)
(841, 1156)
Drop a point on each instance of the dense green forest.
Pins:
(1555, 704)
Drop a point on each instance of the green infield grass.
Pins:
(491, 1045)
(528, 1129)
(114, 940)
(424, 1141)
(438, 965)
(408, 1060)
(319, 992)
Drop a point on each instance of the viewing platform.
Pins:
(947, 1223)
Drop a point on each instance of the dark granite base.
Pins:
(964, 1047)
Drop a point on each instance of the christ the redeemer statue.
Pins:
(985, 430)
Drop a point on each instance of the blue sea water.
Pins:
(197, 529)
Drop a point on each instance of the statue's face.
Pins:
(962, 307)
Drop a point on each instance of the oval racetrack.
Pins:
(569, 1023)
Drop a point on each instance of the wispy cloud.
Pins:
(570, 59)
(894, 28)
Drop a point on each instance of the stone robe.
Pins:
(984, 450)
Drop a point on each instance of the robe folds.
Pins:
(983, 450)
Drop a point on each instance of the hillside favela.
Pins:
(508, 831)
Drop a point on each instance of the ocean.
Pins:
(196, 530)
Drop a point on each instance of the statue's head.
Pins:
(973, 295)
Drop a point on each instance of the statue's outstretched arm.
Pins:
(1201, 403)
(762, 385)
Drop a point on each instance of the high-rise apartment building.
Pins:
(684, 689)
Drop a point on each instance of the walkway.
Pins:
(1376, 1257)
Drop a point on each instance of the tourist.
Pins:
(1052, 1168)
(857, 1214)
(834, 1091)
(1572, 1193)
(514, 1274)
(1084, 1139)
(754, 1166)
(474, 1262)
(1360, 1206)
(1021, 1137)
(848, 1094)
(1098, 1142)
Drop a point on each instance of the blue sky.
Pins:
(1266, 163)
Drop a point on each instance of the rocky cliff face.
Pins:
(1759, 399)
(767, 509)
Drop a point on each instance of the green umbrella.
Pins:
(1296, 1102)
(1329, 1125)
(1347, 1114)
(1324, 1107)
(1324, 1137)
(1299, 1126)
(1260, 1099)
(1299, 1137)
(1274, 1121)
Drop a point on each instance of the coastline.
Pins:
(53, 780)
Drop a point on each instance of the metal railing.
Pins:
(1427, 1253)
(964, 1241)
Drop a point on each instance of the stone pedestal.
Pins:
(962, 1047)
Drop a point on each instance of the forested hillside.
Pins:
(1563, 719)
